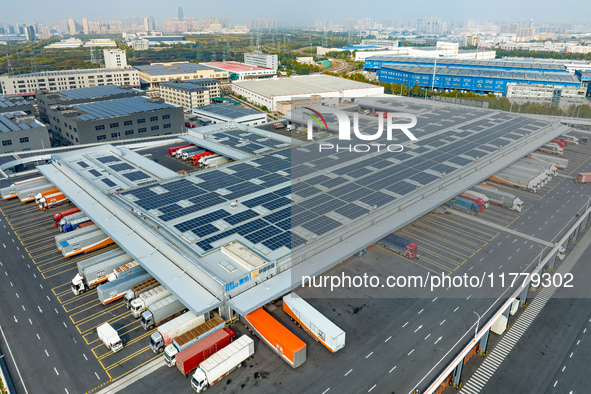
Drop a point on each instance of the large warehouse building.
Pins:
(267, 92)
(156, 73)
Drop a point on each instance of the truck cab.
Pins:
(147, 319)
(170, 353)
(157, 343)
(199, 381)
(137, 307)
(128, 298)
(412, 250)
(78, 285)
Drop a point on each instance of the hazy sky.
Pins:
(299, 11)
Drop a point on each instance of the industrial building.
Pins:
(156, 73)
(283, 107)
(242, 71)
(115, 58)
(563, 96)
(22, 132)
(185, 94)
(45, 99)
(28, 84)
(260, 59)
(10, 103)
(222, 113)
(267, 92)
(113, 120)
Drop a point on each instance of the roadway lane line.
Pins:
(390, 337)
(30, 322)
(410, 352)
(368, 355)
(419, 327)
(56, 372)
(442, 322)
(405, 324)
(85, 356)
(372, 387)
(457, 307)
(421, 311)
(326, 391)
(427, 337)
(38, 337)
(97, 376)
(438, 339)
(392, 369)
(17, 295)
(351, 370)
(46, 353)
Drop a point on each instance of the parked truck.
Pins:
(12, 190)
(195, 158)
(475, 195)
(162, 311)
(400, 245)
(60, 238)
(112, 291)
(461, 204)
(552, 149)
(167, 332)
(59, 216)
(207, 157)
(500, 198)
(556, 161)
(135, 291)
(28, 193)
(68, 219)
(521, 182)
(536, 178)
(479, 201)
(315, 323)
(53, 200)
(183, 341)
(571, 139)
(190, 152)
(123, 270)
(75, 224)
(44, 193)
(583, 177)
(171, 151)
(85, 243)
(219, 365)
(277, 126)
(282, 341)
(143, 302)
(215, 161)
(291, 127)
(109, 336)
(93, 271)
(189, 359)
(179, 153)
(549, 168)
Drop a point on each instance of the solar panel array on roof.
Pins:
(117, 107)
(108, 182)
(136, 175)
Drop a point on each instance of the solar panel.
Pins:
(109, 182)
(107, 159)
(351, 211)
(136, 175)
(121, 167)
(240, 217)
(321, 225)
(95, 172)
(82, 164)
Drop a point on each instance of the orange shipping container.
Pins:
(285, 343)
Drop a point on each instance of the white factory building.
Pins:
(267, 92)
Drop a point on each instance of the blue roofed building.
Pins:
(113, 120)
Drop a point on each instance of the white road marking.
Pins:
(66, 391)
(500, 266)
(435, 299)
(410, 352)
(470, 269)
(427, 337)
(35, 276)
(563, 368)
(442, 322)
(517, 250)
(28, 266)
(46, 353)
(325, 391)
(17, 248)
(509, 258)
(579, 341)
(392, 369)
(11, 284)
(16, 366)
(469, 297)
(23, 307)
(419, 327)
(531, 246)
(515, 240)
(351, 370)
(16, 321)
(65, 324)
(457, 307)
(372, 387)
(38, 307)
(85, 356)
(48, 299)
(17, 295)
(97, 376)
(38, 337)
(405, 324)
(571, 355)
(56, 372)
(30, 322)
(390, 337)
(369, 355)
(421, 311)
(55, 310)
(555, 383)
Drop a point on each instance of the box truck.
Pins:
(59, 216)
(190, 358)
(109, 336)
(183, 341)
(116, 289)
(167, 332)
(143, 302)
(136, 290)
(162, 311)
(12, 190)
(93, 271)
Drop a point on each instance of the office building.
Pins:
(261, 23)
(115, 58)
(181, 14)
(21, 132)
(185, 94)
(563, 96)
(222, 113)
(27, 84)
(241, 71)
(283, 107)
(30, 33)
(156, 73)
(113, 120)
(261, 60)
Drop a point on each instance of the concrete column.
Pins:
(457, 375)
(551, 262)
(565, 244)
(523, 296)
(585, 222)
(483, 343)
(575, 235)
(226, 312)
(506, 312)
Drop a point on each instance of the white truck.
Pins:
(110, 338)
(135, 291)
(571, 139)
(121, 270)
(179, 153)
(162, 311)
(69, 219)
(146, 299)
(215, 161)
(204, 158)
(191, 152)
(290, 127)
(220, 364)
(169, 331)
(94, 271)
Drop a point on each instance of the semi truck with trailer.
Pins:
(313, 322)
(60, 215)
(285, 343)
(46, 192)
(549, 168)
(536, 178)
(143, 302)
(474, 194)
(583, 177)
(461, 204)
(60, 238)
(211, 162)
(75, 224)
(522, 182)
(207, 157)
(179, 153)
(28, 193)
(183, 341)
(477, 200)
(112, 291)
(167, 332)
(135, 291)
(172, 150)
(571, 139)
(11, 191)
(108, 335)
(552, 149)
(500, 198)
(220, 364)
(195, 159)
(53, 200)
(123, 270)
(162, 311)
(94, 271)
(86, 243)
(189, 359)
(67, 219)
(190, 152)
(555, 161)
(402, 246)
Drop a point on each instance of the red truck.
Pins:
(59, 216)
(190, 358)
(560, 143)
(584, 177)
(189, 125)
(175, 148)
(479, 201)
(195, 158)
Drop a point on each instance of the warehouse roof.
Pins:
(472, 64)
(228, 111)
(93, 92)
(11, 101)
(17, 121)
(117, 107)
(180, 68)
(236, 66)
(516, 75)
(70, 72)
(308, 84)
(184, 86)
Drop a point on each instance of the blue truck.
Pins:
(464, 205)
(400, 245)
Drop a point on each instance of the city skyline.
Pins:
(544, 12)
